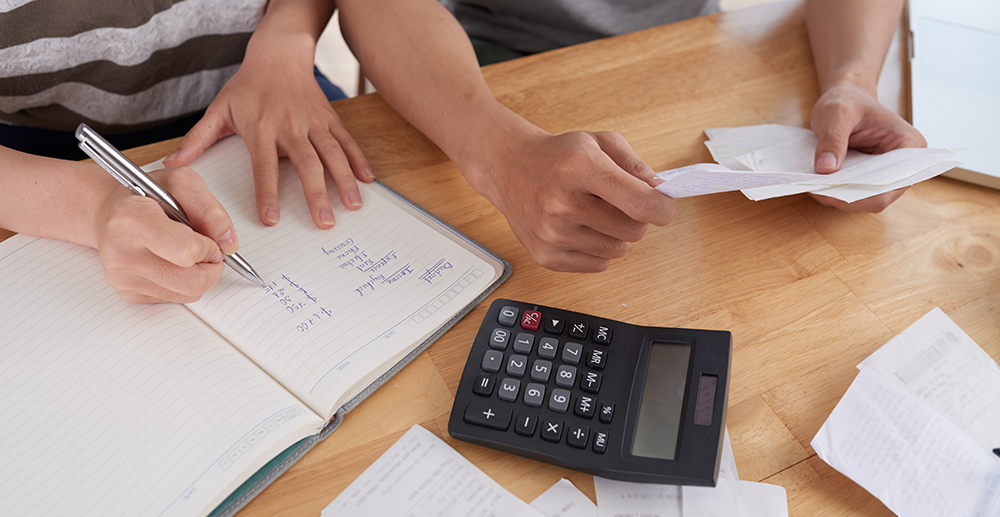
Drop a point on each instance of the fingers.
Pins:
(149, 258)
(210, 129)
(264, 162)
(874, 204)
(632, 195)
(617, 148)
(206, 214)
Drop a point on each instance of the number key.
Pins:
(566, 376)
(498, 339)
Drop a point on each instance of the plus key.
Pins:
(530, 320)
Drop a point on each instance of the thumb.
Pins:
(833, 135)
(210, 129)
(616, 147)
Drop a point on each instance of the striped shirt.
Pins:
(118, 65)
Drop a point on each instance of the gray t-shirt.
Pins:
(540, 25)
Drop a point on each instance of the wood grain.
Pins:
(807, 291)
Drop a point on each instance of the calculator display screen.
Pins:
(662, 398)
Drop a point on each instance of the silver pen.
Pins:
(130, 175)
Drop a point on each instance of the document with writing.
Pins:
(121, 409)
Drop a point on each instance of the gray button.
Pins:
(523, 342)
(492, 361)
(534, 394)
(517, 365)
(499, 339)
(572, 353)
(540, 370)
(547, 347)
(566, 376)
(508, 316)
(559, 401)
(508, 389)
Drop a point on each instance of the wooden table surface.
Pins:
(807, 291)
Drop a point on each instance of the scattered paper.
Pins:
(729, 498)
(772, 160)
(940, 365)
(906, 454)
(564, 500)
(421, 476)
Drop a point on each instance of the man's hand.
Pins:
(847, 116)
(575, 201)
(150, 258)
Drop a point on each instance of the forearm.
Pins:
(289, 30)
(850, 39)
(421, 62)
(52, 198)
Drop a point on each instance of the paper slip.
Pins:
(906, 454)
(729, 498)
(940, 365)
(564, 500)
(771, 160)
(421, 476)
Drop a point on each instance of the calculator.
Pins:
(620, 401)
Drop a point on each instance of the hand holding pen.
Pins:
(147, 257)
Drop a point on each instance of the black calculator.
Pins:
(620, 401)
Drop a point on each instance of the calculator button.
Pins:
(566, 376)
(540, 370)
(602, 334)
(492, 361)
(484, 385)
(487, 415)
(534, 394)
(507, 316)
(552, 430)
(524, 424)
(591, 382)
(577, 436)
(508, 389)
(523, 342)
(585, 407)
(572, 353)
(530, 320)
(600, 441)
(554, 325)
(579, 329)
(607, 412)
(559, 400)
(517, 365)
(547, 347)
(595, 360)
(498, 339)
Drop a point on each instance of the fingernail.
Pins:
(216, 258)
(657, 181)
(173, 155)
(271, 214)
(368, 172)
(228, 239)
(355, 198)
(826, 161)
(326, 216)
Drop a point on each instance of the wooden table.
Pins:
(807, 291)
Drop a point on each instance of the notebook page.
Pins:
(119, 409)
(341, 306)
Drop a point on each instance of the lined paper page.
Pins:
(343, 305)
(118, 409)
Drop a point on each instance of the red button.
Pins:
(531, 319)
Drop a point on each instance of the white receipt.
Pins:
(771, 160)
(729, 498)
(564, 500)
(906, 454)
(939, 364)
(421, 476)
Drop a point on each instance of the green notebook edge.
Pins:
(273, 469)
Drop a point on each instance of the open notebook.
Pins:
(118, 409)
